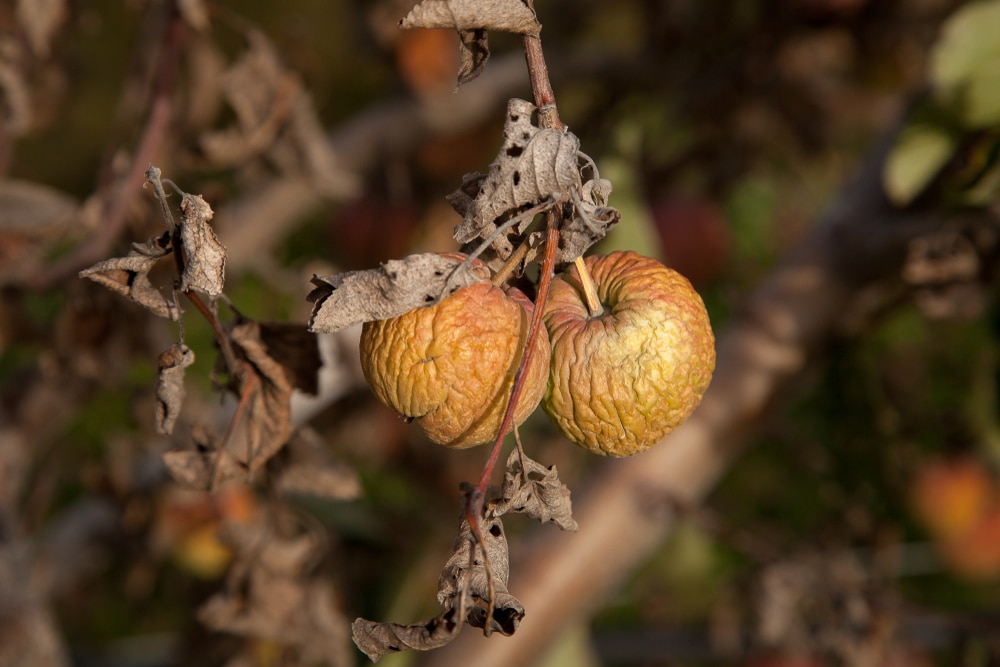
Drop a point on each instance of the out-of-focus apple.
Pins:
(694, 237)
(951, 497)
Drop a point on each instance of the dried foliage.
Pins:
(473, 19)
(129, 275)
(472, 586)
(140, 481)
(396, 287)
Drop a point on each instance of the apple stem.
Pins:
(594, 306)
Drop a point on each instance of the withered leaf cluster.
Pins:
(472, 19)
(272, 593)
(275, 120)
(472, 586)
(264, 362)
(203, 267)
(535, 170)
(396, 287)
(274, 359)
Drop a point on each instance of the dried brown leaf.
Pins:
(473, 54)
(268, 412)
(33, 219)
(129, 276)
(533, 166)
(536, 492)
(507, 15)
(194, 12)
(380, 639)
(472, 19)
(170, 385)
(294, 347)
(261, 93)
(396, 287)
(40, 20)
(204, 467)
(204, 255)
(456, 575)
(270, 595)
(307, 468)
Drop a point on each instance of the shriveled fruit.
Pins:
(621, 380)
(451, 366)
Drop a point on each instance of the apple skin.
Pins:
(622, 380)
(451, 366)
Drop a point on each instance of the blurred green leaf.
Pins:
(920, 152)
(965, 63)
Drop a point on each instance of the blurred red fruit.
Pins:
(951, 497)
(694, 237)
(366, 232)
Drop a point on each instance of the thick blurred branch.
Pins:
(846, 272)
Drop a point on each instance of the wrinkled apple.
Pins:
(621, 380)
(451, 366)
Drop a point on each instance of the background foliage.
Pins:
(860, 526)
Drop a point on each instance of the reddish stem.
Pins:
(541, 87)
(474, 507)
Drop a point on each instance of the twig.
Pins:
(153, 137)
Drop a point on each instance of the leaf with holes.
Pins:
(535, 491)
(468, 569)
(534, 166)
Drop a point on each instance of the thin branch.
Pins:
(117, 205)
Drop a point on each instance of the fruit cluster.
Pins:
(614, 382)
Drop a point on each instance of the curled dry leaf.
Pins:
(40, 20)
(380, 639)
(260, 92)
(535, 169)
(129, 276)
(472, 19)
(307, 468)
(268, 412)
(467, 568)
(35, 218)
(170, 385)
(507, 15)
(296, 349)
(536, 492)
(269, 595)
(533, 165)
(473, 55)
(464, 591)
(206, 466)
(395, 288)
(204, 255)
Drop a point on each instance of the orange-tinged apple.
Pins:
(621, 380)
(451, 366)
